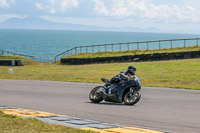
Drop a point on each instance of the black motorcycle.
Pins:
(127, 91)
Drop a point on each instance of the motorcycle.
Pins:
(127, 91)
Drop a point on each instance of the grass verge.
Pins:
(14, 124)
(133, 52)
(173, 73)
(26, 61)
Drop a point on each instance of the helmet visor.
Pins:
(132, 71)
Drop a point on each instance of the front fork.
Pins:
(103, 88)
(132, 90)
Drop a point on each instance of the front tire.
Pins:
(131, 99)
(95, 95)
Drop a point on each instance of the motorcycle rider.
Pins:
(123, 75)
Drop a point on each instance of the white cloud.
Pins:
(193, 3)
(120, 8)
(39, 6)
(54, 6)
(6, 3)
(111, 13)
(146, 9)
(4, 17)
(3, 3)
(100, 8)
(66, 4)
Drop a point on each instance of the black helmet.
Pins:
(131, 69)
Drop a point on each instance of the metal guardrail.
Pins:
(38, 58)
(3, 52)
(159, 44)
(128, 46)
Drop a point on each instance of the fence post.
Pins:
(197, 42)
(147, 45)
(80, 49)
(105, 48)
(92, 49)
(120, 47)
(86, 49)
(159, 44)
(128, 46)
(112, 47)
(75, 50)
(171, 44)
(184, 42)
(138, 46)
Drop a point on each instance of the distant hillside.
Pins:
(38, 23)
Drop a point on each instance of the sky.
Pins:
(161, 15)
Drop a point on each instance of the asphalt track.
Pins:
(163, 109)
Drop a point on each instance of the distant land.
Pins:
(39, 23)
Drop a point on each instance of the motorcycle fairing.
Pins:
(122, 86)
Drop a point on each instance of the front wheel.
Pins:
(95, 95)
(131, 99)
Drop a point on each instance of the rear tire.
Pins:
(132, 99)
(95, 95)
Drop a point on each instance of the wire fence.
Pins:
(159, 44)
(3, 52)
(35, 58)
(148, 45)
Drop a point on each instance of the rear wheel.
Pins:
(131, 99)
(95, 95)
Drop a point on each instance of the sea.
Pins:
(46, 44)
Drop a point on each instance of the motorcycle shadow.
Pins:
(108, 103)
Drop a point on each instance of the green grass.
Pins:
(26, 61)
(14, 124)
(133, 52)
(173, 73)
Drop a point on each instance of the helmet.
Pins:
(131, 70)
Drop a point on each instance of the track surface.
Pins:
(171, 110)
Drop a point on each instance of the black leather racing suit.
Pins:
(123, 75)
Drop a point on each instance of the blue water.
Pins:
(48, 43)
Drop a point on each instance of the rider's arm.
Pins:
(123, 75)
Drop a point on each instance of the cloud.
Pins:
(39, 6)
(6, 3)
(193, 3)
(100, 8)
(146, 9)
(57, 6)
(66, 4)
(119, 8)
(109, 13)
(143, 14)
(4, 17)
